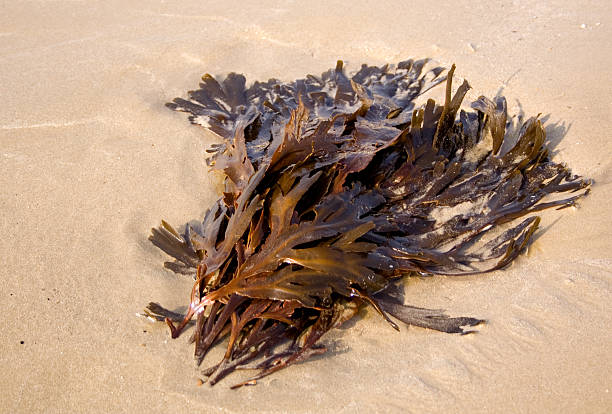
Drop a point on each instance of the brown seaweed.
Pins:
(334, 188)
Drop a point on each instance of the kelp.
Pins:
(337, 187)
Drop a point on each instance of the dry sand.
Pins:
(91, 159)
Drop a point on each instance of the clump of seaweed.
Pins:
(337, 186)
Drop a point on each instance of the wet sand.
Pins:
(91, 159)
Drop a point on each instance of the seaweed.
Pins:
(337, 187)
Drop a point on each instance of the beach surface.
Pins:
(90, 160)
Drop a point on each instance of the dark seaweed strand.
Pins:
(335, 187)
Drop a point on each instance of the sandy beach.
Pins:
(90, 160)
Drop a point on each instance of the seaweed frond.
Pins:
(334, 187)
